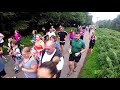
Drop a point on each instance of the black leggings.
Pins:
(2, 73)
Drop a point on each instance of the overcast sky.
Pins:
(104, 15)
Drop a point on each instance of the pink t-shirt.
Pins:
(17, 36)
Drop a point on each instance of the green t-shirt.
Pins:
(77, 45)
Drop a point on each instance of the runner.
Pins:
(9, 44)
(77, 47)
(92, 42)
(51, 32)
(17, 37)
(49, 53)
(39, 46)
(17, 55)
(52, 28)
(62, 37)
(71, 37)
(34, 32)
(2, 68)
(29, 64)
(1, 41)
(81, 33)
(45, 33)
(47, 70)
(57, 44)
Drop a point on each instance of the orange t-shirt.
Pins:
(38, 47)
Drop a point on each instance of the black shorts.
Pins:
(91, 44)
(81, 37)
(1, 44)
(2, 73)
(72, 57)
(62, 43)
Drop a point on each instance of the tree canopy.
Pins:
(112, 24)
(33, 20)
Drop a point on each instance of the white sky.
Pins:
(103, 15)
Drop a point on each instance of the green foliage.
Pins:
(21, 25)
(63, 17)
(7, 15)
(26, 40)
(24, 20)
(107, 55)
(112, 24)
(68, 29)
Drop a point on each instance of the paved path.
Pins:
(81, 62)
(9, 68)
(10, 65)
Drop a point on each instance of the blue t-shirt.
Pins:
(34, 38)
(1, 64)
(57, 45)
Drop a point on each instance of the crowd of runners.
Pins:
(45, 58)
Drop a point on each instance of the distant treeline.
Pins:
(111, 24)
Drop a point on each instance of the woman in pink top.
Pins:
(71, 37)
(17, 37)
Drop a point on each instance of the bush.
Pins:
(106, 55)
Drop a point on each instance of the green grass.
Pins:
(105, 59)
(90, 66)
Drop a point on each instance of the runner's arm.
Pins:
(90, 37)
(42, 43)
(65, 35)
(32, 69)
(58, 36)
(20, 65)
(39, 64)
(70, 46)
(83, 50)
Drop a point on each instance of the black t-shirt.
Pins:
(83, 27)
(44, 32)
(62, 35)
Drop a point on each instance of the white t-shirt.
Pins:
(17, 50)
(51, 33)
(60, 64)
(1, 39)
(9, 45)
(18, 54)
(47, 57)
